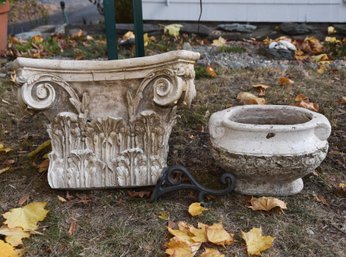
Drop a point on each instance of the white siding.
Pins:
(247, 10)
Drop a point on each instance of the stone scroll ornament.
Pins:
(109, 121)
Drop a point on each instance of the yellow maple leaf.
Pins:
(200, 233)
(181, 235)
(248, 98)
(196, 209)
(255, 242)
(333, 40)
(266, 203)
(216, 234)
(14, 236)
(178, 248)
(172, 29)
(7, 250)
(26, 217)
(219, 42)
(210, 252)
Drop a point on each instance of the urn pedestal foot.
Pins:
(269, 189)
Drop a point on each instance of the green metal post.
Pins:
(111, 35)
(138, 25)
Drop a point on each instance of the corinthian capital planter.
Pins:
(110, 121)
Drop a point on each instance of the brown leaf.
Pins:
(83, 199)
(284, 81)
(266, 204)
(312, 45)
(321, 199)
(343, 100)
(303, 101)
(139, 194)
(73, 227)
(23, 200)
(211, 72)
(261, 88)
(248, 98)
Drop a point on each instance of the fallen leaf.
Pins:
(248, 98)
(43, 166)
(331, 30)
(343, 100)
(199, 234)
(211, 72)
(216, 234)
(266, 203)
(4, 149)
(83, 199)
(3, 170)
(261, 88)
(342, 186)
(180, 234)
(26, 217)
(14, 236)
(303, 101)
(23, 200)
(37, 39)
(164, 215)
(332, 40)
(61, 199)
(312, 45)
(78, 34)
(323, 67)
(172, 29)
(128, 35)
(321, 58)
(219, 42)
(321, 199)
(140, 194)
(196, 209)
(209, 252)
(73, 227)
(284, 81)
(177, 248)
(255, 242)
(7, 250)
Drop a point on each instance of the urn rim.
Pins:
(312, 119)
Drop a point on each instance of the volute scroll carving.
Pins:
(39, 91)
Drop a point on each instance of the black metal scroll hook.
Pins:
(171, 180)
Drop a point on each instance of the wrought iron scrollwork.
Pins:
(173, 179)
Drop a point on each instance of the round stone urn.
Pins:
(269, 148)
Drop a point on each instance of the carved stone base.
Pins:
(279, 189)
(110, 121)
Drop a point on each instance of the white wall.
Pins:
(247, 10)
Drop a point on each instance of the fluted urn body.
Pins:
(110, 121)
